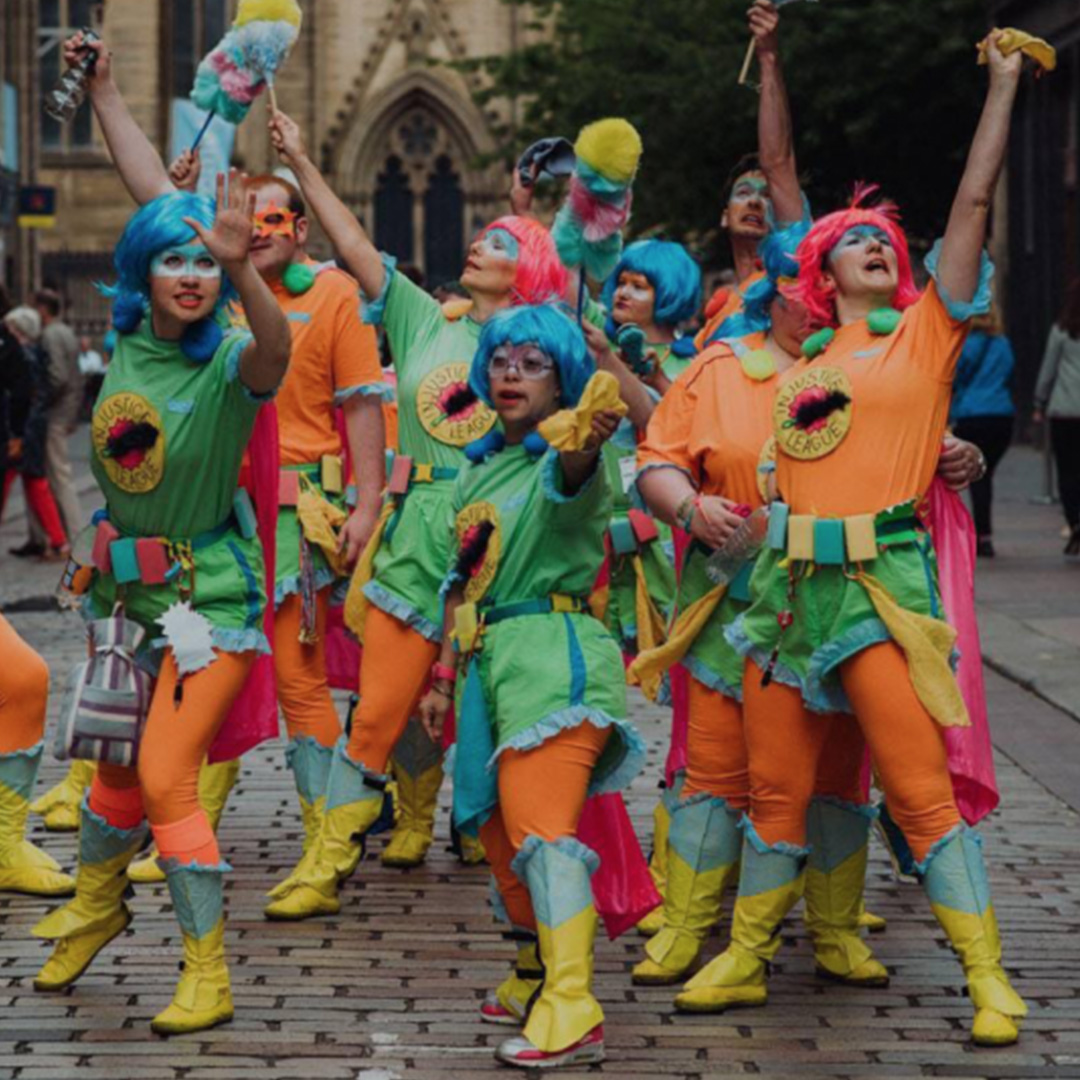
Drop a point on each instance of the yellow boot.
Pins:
(215, 784)
(354, 799)
(85, 925)
(564, 1025)
(954, 876)
(509, 1002)
(418, 771)
(770, 885)
(60, 805)
(471, 850)
(839, 837)
(703, 857)
(203, 997)
(658, 860)
(23, 867)
(873, 924)
(309, 762)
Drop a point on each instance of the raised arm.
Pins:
(631, 388)
(965, 235)
(776, 144)
(139, 164)
(347, 235)
(264, 362)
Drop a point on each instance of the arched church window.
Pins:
(394, 211)
(444, 242)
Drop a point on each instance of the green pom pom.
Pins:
(298, 278)
(883, 321)
(817, 343)
(758, 365)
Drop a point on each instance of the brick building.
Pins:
(396, 129)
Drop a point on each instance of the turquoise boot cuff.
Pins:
(836, 830)
(557, 874)
(350, 781)
(310, 762)
(19, 769)
(765, 867)
(197, 894)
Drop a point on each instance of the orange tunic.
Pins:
(733, 306)
(333, 353)
(713, 424)
(900, 386)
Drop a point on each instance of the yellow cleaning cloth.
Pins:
(319, 519)
(569, 429)
(1012, 41)
(356, 603)
(927, 644)
(650, 664)
(650, 623)
(270, 10)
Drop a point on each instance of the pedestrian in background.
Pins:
(24, 383)
(61, 349)
(1057, 397)
(92, 369)
(983, 411)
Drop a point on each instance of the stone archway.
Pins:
(407, 167)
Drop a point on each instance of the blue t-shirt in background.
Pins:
(983, 375)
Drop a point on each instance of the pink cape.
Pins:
(680, 688)
(254, 715)
(971, 754)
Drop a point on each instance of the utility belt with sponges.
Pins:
(838, 541)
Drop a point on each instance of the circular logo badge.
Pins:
(130, 442)
(449, 411)
(766, 468)
(479, 542)
(812, 413)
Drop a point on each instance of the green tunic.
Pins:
(432, 356)
(182, 488)
(542, 673)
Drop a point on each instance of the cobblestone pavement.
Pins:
(389, 990)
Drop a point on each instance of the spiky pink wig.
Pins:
(812, 291)
(541, 276)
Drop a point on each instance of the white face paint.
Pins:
(189, 260)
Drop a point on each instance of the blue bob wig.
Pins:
(777, 254)
(153, 228)
(552, 332)
(673, 274)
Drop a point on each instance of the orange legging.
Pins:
(541, 793)
(24, 692)
(717, 759)
(303, 689)
(174, 743)
(396, 665)
(786, 742)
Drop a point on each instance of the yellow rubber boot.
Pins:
(215, 784)
(60, 805)
(472, 851)
(770, 885)
(509, 1002)
(565, 1011)
(354, 799)
(872, 923)
(83, 927)
(839, 836)
(24, 868)
(203, 997)
(703, 857)
(417, 768)
(954, 876)
(658, 859)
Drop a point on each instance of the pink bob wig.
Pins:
(812, 290)
(541, 277)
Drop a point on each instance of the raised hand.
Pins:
(286, 138)
(764, 18)
(75, 53)
(185, 170)
(1002, 68)
(229, 241)
(603, 427)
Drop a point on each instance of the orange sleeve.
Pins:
(355, 357)
(936, 338)
(667, 438)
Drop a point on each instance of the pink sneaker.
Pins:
(588, 1050)
(493, 1011)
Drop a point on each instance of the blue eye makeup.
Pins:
(500, 244)
(190, 260)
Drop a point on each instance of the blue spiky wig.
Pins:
(552, 332)
(153, 228)
(777, 254)
(673, 274)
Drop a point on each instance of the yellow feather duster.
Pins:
(611, 147)
(270, 10)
